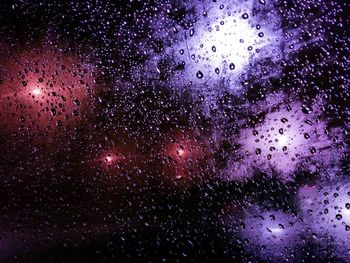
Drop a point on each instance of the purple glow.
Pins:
(272, 233)
(292, 137)
(327, 210)
(224, 39)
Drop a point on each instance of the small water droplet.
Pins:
(306, 109)
(53, 111)
(312, 150)
(199, 74)
(339, 216)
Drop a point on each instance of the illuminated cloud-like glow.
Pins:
(291, 137)
(183, 155)
(327, 210)
(224, 38)
(272, 234)
(44, 91)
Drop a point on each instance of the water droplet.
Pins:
(232, 66)
(199, 74)
(245, 16)
(53, 111)
(309, 122)
(339, 216)
(306, 109)
(312, 150)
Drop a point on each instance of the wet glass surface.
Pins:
(174, 131)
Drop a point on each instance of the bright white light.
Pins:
(231, 41)
(225, 45)
(276, 230)
(109, 159)
(36, 91)
(282, 140)
(181, 152)
(223, 42)
(346, 213)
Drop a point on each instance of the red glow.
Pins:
(44, 91)
(185, 152)
(109, 158)
(36, 91)
(115, 157)
(181, 152)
